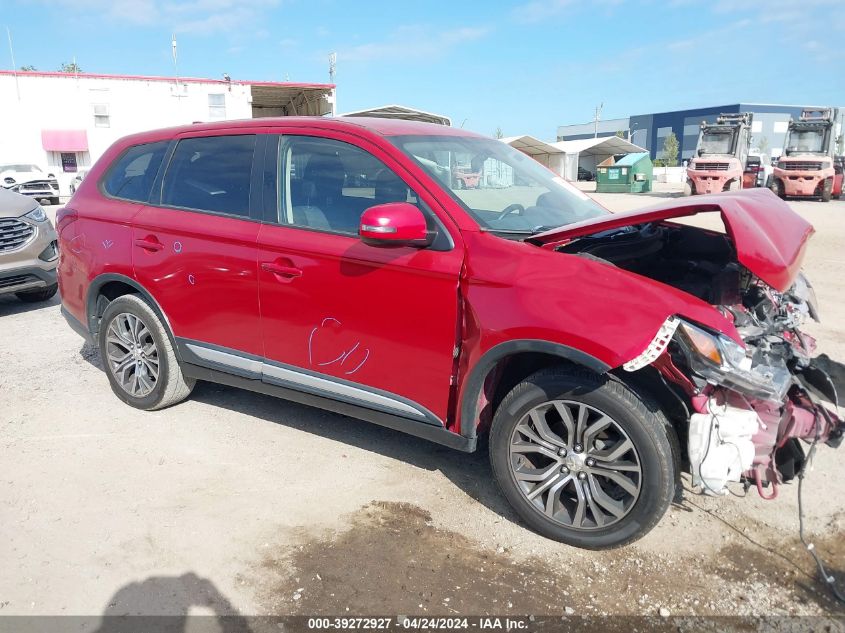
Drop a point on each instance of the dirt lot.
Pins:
(234, 502)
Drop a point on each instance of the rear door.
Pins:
(372, 326)
(194, 247)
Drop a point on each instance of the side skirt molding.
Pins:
(430, 432)
(205, 361)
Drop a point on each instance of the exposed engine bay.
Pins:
(750, 406)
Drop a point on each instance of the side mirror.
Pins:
(394, 224)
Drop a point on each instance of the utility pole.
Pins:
(332, 72)
(175, 57)
(14, 66)
(596, 119)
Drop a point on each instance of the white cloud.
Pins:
(202, 17)
(413, 42)
(540, 9)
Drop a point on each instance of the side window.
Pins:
(210, 173)
(328, 184)
(132, 175)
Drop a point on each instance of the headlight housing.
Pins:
(37, 215)
(721, 361)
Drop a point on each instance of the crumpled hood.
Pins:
(769, 237)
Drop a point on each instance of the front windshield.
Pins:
(805, 140)
(715, 143)
(504, 190)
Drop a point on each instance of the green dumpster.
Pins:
(625, 173)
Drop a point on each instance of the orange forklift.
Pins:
(805, 169)
(720, 155)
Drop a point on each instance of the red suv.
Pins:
(336, 263)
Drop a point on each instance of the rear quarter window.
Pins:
(131, 177)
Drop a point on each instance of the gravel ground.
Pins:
(234, 502)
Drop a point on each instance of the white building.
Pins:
(63, 122)
(565, 157)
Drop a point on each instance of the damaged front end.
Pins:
(752, 404)
(753, 394)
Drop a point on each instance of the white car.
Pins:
(30, 180)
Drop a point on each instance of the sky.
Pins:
(518, 67)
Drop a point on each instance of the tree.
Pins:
(28, 68)
(498, 133)
(763, 145)
(72, 68)
(670, 150)
(620, 133)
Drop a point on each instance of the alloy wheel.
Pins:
(132, 355)
(575, 464)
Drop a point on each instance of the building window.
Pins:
(663, 131)
(101, 115)
(692, 130)
(217, 106)
(780, 127)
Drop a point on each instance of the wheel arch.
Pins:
(114, 285)
(524, 356)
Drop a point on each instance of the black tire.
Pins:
(645, 427)
(689, 188)
(777, 188)
(38, 295)
(170, 385)
(827, 190)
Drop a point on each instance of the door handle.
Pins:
(288, 272)
(149, 244)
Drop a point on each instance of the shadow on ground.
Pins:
(162, 604)
(836, 371)
(10, 304)
(468, 471)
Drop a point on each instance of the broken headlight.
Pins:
(722, 361)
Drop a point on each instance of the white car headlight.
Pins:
(37, 214)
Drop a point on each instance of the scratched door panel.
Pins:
(383, 318)
(203, 276)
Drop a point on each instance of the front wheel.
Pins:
(138, 356)
(777, 188)
(581, 458)
(689, 188)
(827, 190)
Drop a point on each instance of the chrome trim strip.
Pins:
(306, 380)
(232, 360)
(330, 386)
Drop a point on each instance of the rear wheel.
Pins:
(581, 459)
(37, 295)
(138, 356)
